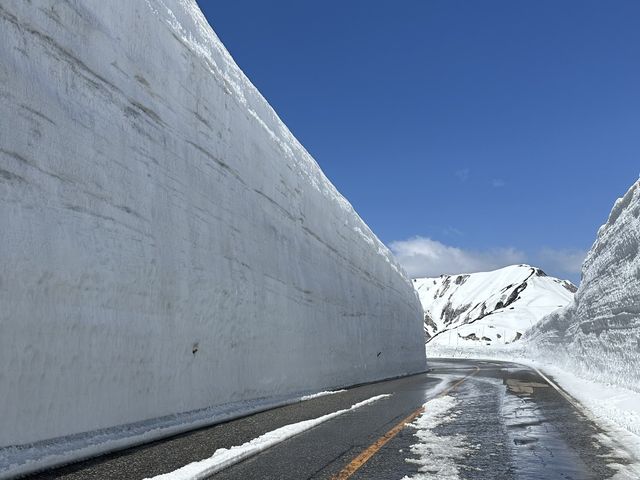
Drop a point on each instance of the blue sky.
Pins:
(467, 134)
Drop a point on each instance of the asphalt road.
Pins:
(482, 420)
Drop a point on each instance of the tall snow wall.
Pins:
(167, 245)
(598, 335)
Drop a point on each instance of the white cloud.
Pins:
(497, 183)
(566, 261)
(424, 257)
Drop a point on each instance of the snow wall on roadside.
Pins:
(598, 335)
(167, 245)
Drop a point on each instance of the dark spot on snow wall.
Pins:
(11, 177)
(38, 114)
(460, 279)
(202, 120)
(379, 353)
(141, 80)
(136, 108)
(195, 348)
(540, 273)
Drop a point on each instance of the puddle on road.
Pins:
(537, 442)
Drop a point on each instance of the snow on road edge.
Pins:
(224, 458)
(58, 452)
(436, 454)
(320, 394)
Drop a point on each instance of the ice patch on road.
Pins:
(436, 455)
(224, 458)
(320, 394)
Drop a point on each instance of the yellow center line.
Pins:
(365, 456)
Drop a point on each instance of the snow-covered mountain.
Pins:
(488, 307)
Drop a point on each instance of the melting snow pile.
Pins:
(488, 308)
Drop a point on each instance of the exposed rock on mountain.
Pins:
(489, 307)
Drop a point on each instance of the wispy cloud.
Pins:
(462, 174)
(425, 257)
(497, 183)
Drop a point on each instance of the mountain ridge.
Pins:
(521, 292)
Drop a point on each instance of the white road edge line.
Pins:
(224, 458)
(567, 397)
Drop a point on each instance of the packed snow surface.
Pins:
(488, 307)
(168, 246)
(225, 457)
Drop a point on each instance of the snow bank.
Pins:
(167, 244)
(598, 335)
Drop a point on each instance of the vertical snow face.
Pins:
(167, 244)
(598, 335)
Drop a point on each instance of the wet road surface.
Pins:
(480, 420)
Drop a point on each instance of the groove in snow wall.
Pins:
(167, 245)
